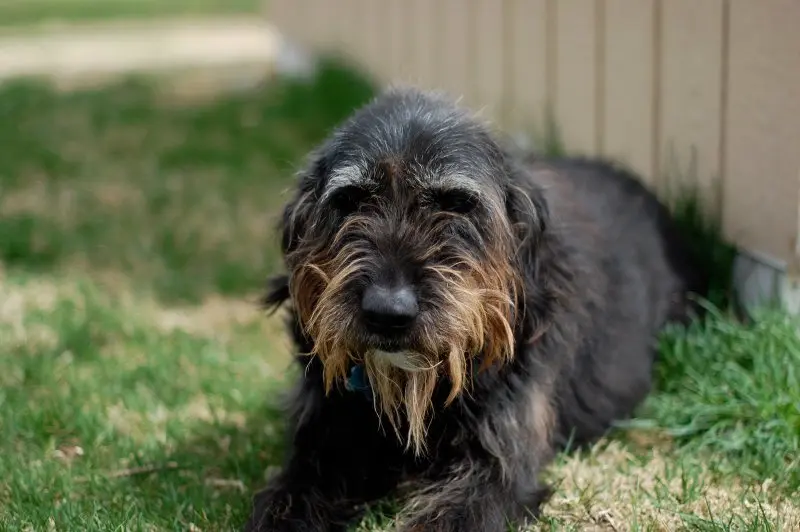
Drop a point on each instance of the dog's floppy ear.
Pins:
(526, 207)
(292, 226)
(529, 215)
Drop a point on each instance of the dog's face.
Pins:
(401, 244)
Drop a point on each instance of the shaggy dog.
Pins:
(461, 314)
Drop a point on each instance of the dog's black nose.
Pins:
(389, 310)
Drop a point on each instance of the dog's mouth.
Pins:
(400, 351)
(385, 342)
(404, 360)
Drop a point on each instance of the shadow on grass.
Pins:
(208, 478)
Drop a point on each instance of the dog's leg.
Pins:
(337, 462)
(492, 480)
(473, 496)
(288, 505)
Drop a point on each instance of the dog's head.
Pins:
(402, 244)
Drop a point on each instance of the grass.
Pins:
(182, 196)
(113, 420)
(139, 383)
(22, 13)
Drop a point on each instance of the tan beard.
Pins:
(475, 318)
(403, 379)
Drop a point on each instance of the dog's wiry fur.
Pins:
(542, 286)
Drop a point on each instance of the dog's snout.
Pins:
(387, 310)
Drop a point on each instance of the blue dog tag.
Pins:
(358, 382)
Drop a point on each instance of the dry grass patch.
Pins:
(615, 487)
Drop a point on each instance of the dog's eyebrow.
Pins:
(354, 175)
(454, 181)
(345, 176)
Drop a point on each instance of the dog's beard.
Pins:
(472, 316)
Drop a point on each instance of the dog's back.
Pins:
(631, 271)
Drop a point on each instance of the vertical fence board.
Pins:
(691, 89)
(399, 30)
(453, 54)
(488, 69)
(575, 84)
(375, 46)
(279, 13)
(274, 13)
(762, 154)
(363, 42)
(347, 37)
(528, 62)
(629, 84)
(311, 18)
(423, 42)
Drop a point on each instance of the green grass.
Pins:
(139, 384)
(733, 392)
(180, 198)
(91, 371)
(21, 13)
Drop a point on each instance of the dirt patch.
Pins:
(152, 424)
(18, 301)
(216, 316)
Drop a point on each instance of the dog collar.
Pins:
(358, 382)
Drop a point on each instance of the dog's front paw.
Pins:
(275, 511)
(487, 511)
(265, 518)
(448, 521)
(271, 521)
(290, 511)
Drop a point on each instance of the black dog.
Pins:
(461, 314)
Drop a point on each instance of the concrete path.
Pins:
(73, 52)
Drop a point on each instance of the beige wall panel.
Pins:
(399, 28)
(628, 95)
(691, 94)
(316, 19)
(762, 151)
(320, 25)
(527, 37)
(424, 39)
(454, 53)
(363, 46)
(576, 75)
(305, 18)
(345, 37)
(279, 13)
(489, 67)
(376, 44)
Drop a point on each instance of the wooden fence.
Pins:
(706, 90)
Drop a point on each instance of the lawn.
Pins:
(139, 382)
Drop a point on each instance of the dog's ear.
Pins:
(292, 226)
(529, 215)
(526, 207)
(277, 292)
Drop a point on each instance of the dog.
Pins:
(461, 314)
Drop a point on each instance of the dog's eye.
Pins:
(457, 201)
(348, 199)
